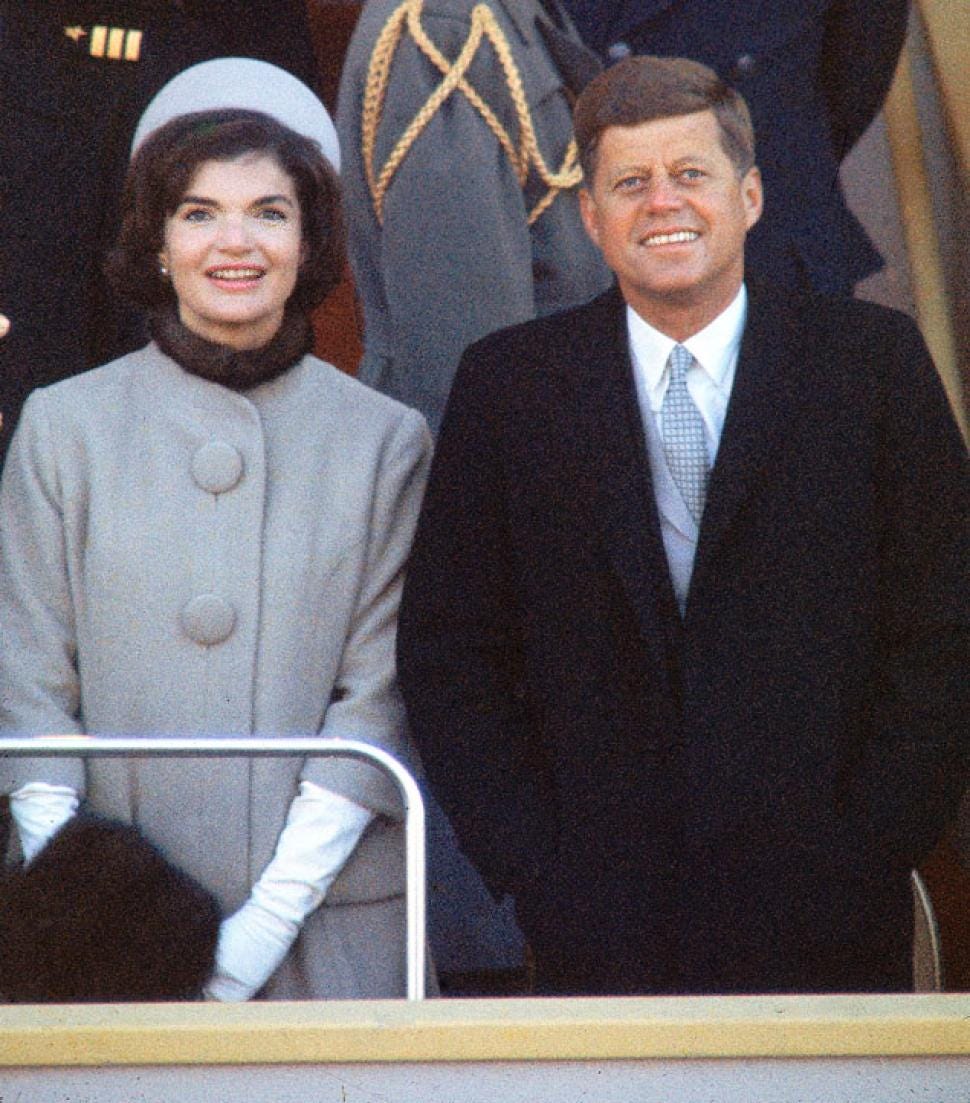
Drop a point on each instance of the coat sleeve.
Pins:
(461, 647)
(860, 50)
(39, 685)
(366, 704)
(912, 764)
(455, 247)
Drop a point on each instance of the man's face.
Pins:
(669, 213)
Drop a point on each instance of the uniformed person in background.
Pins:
(462, 214)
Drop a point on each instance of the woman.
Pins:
(206, 537)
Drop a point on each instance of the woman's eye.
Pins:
(271, 214)
(196, 214)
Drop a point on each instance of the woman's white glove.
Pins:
(252, 945)
(40, 810)
(322, 829)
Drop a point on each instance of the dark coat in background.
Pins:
(69, 113)
(814, 74)
(725, 803)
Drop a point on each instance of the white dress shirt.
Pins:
(709, 382)
(710, 378)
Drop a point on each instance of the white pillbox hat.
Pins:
(247, 83)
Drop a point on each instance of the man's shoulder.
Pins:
(534, 366)
(839, 322)
(551, 333)
(809, 303)
(847, 354)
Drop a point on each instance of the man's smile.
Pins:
(670, 237)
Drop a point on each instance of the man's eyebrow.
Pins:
(626, 170)
(691, 159)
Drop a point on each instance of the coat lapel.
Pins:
(759, 409)
(625, 508)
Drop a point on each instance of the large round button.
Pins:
(217, 467)
(208, 619)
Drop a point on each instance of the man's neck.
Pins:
(681, 320)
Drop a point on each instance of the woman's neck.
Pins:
(237, 369)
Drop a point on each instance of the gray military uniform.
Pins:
(453, 256)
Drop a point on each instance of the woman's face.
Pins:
(233, 248)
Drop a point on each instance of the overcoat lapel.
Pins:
(625, 509)
(762, 401)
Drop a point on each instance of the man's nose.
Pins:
(664, 194)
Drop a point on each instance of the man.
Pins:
(699, 720)
(814, 74)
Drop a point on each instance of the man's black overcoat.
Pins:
(732, 801)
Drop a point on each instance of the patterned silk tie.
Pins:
(682, 428)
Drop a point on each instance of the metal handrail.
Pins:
(89, 746)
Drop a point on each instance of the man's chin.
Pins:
(679, 288)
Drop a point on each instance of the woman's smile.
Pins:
(233, 248)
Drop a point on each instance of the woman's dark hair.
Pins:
(162, 169)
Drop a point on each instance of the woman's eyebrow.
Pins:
(273, 199)
(263, 200)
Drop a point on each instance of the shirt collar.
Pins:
(715, 347)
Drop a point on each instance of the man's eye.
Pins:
(692, 174)
(630, 183)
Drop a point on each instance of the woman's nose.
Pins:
(234, 233)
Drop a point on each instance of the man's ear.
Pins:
(589, 214)
(752, 195)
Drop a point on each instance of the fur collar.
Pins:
(237, 370)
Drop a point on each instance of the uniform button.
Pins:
(208, 619)
(617, 51)
(217, 467)
(745, 65)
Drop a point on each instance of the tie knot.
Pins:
(678, 362)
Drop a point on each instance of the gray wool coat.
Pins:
(177, 558)
(454, 257)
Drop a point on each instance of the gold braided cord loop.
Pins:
(524, 157)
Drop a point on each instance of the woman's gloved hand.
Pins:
(322, 829)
